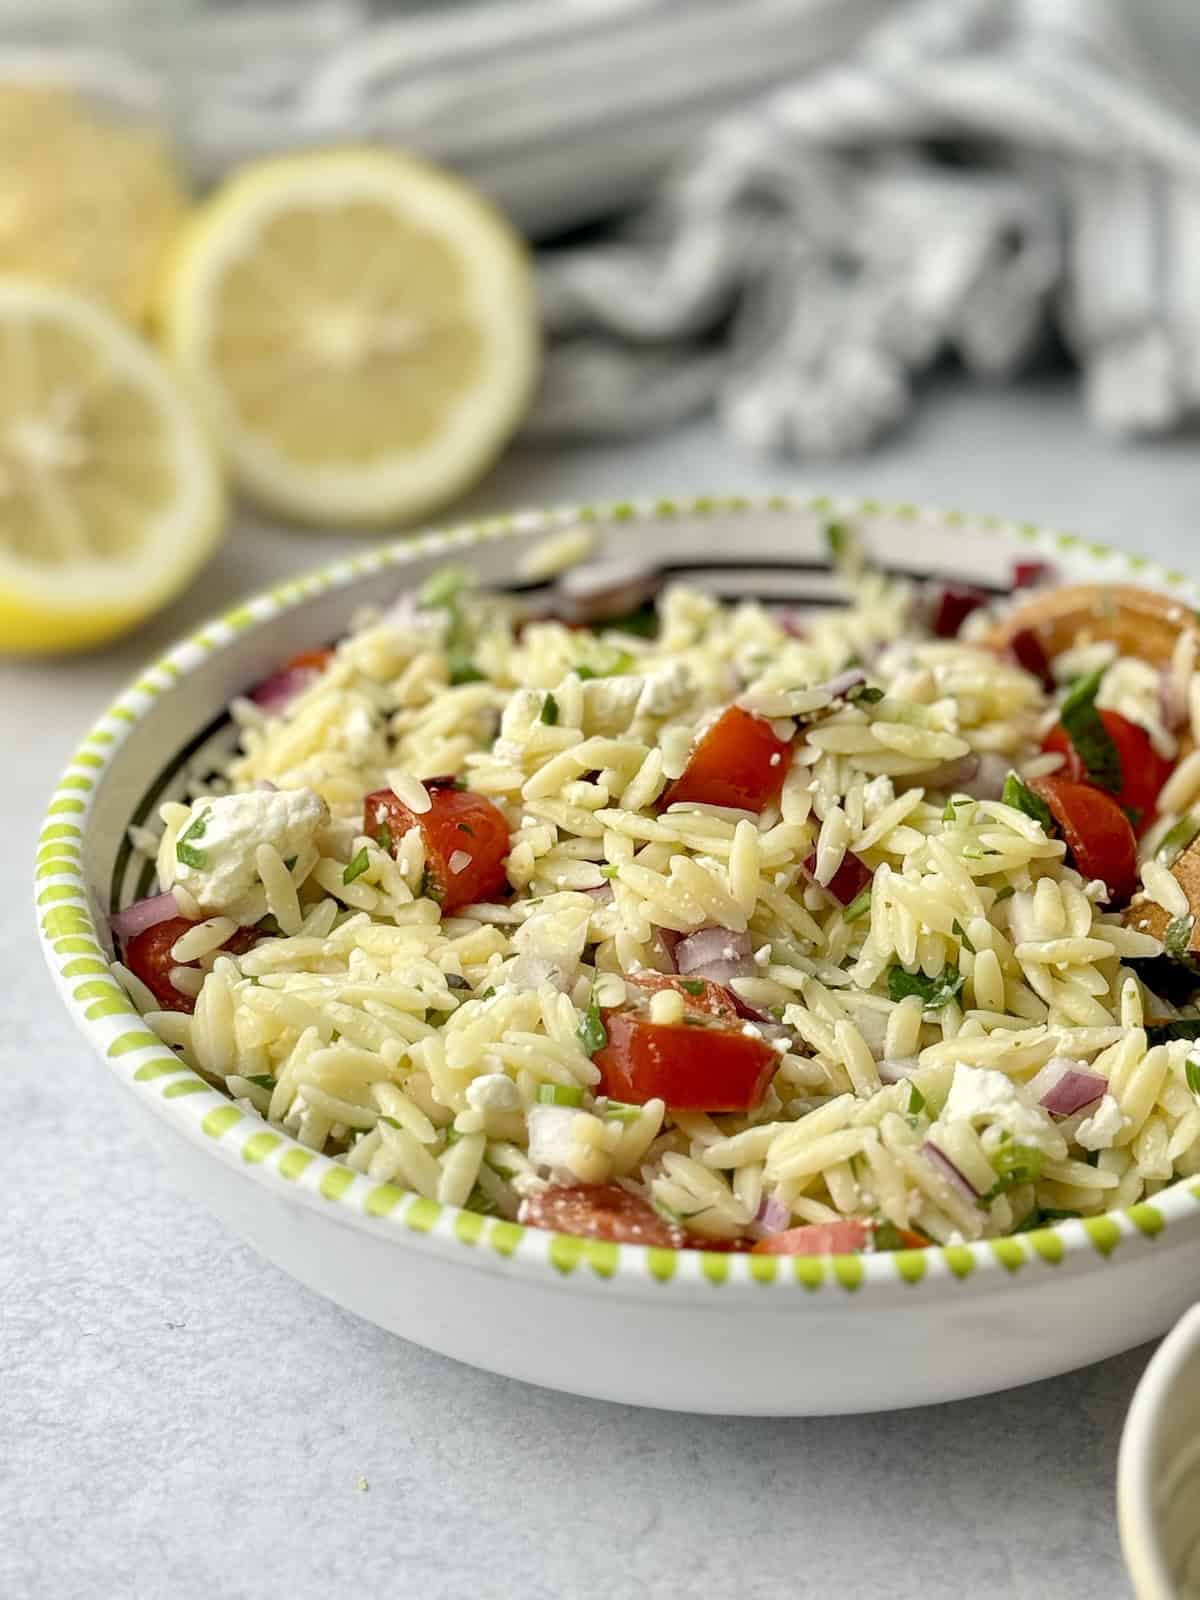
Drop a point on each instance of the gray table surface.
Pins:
(161, 1435)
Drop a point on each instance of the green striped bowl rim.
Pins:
(75, 952)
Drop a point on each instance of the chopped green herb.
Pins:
(430, 889)
(1177, 938)
(1176, 840)
(549, 711)
(261, 1080)
(609, 872)
(1042, 1217)
(933, 992)
(1006, 893)
(559, 1094)
(488, 993)
(392, 1123)
(383, 837)
(1180, 1028)
(864, 694)
(1022, 798)
(1092, 741)
(443, 587)
(1092, 1158)
(858, 907)
(593, 1035)
(962, 937)
(185, 851)
(916, 1101)
(691, 985)
(608, 662)
(887, 1236)
(1014, 1165)
(462, 668)
(357, 867)
(837, 536)
(1191, 1072)
(621, 1111)
(453, 1135)
(479, 1200)
(291, 862)
(455, 980)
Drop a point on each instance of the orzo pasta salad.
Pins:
(635, 914)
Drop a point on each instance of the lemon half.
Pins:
(110, 493)
(359, 328)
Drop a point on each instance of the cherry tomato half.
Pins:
(738, 762)
(846, 1235)
(1143, 770)
(700, 995)
(601, 1211)
(695, 1065)
(466, 841)
(148, 957)
(1097, 832)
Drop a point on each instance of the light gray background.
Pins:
(179, 1419)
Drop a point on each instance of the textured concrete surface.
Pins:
(179, 1419)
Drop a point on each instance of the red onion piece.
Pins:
(603, 590)
(144, 914)
(603, 892)
(949, 606)
(940, 1160)
(987, 781)
(714, 947)
(1064, 1087)
(665, 942)
(1033, 574)
(793, 624)
(1026, 650)
(724, 972)
(840, 686)
(848, 882)
(771, 1217)
(278, 691)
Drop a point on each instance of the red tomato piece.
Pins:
(698, 994)
(840, 1238)
(1143, 770)
(738, 762)
(850, 879)
(693, 1065)
(466, 841)
(309, 660)
(601, 1211)
(1033, 574)
(148, 957)
(1097, 832)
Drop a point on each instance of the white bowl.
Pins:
(1158, 1472)
(684, 1330)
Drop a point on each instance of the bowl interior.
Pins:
(1160, 1470)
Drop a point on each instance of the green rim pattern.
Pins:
(77, 960)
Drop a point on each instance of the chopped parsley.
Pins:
(356, 868)
(609, 872)
(593, 1035)
(430, 888)
(1042, 1217)
(962, 937)
(549, 711)
(1022, 798)
(185, 851)
(608, 662)
(1191, 1072)
(692, 985)
(916, 1101)
(383, 837)
(479, 1200)
(1006, 893)
(1177, 938)
(488, 992)
(1176, 840)
(865, 694)
(933, 992)
(1092, 741)
(1014, 1165)
(261, 1080)
(1164, 1032)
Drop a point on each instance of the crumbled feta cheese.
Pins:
(552, 1134)
(493, 1091)
(221, 834)
(1098, 1131)
(982, 1094)
(666, 692)
(877, 795)
(762, 956)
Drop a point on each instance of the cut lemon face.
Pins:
(86, 202)
(359, 327)
(110, 494)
